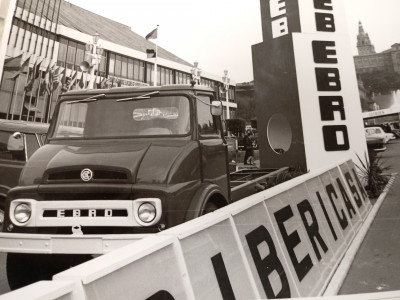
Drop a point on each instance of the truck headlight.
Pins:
(22, 212)
(147, 212)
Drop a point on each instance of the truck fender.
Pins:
(201, 197)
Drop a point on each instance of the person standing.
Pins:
(248, 147)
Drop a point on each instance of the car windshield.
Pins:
(157, 116)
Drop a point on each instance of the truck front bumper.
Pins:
(65, 244)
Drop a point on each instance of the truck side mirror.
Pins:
(15, 142)
(216, 108)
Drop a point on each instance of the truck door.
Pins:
(213, 150)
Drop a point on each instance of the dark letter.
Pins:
(322, 4)
(291, 241)
(222, 277)
(353, 189)
(346, 199)
(328, 105)
(161, 295)
(326, 216)
(328, 79)
(331, 138)
(321, 53)
(313, 228)
(325, 22)
(330, 190)
(265, 266)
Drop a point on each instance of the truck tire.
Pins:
(209, 207)
(1, 218)
(24, 269)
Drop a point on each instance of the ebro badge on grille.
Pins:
(86, 174)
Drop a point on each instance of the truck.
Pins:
(118, 165)
(18, 141)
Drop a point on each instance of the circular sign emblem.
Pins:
(86, 174)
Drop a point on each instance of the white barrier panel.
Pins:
(45, 290)
(283, 242)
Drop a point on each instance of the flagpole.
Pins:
(155, 62)
(11, 100)
(15, 98)
(24, 93)
(33, 83)
(38, 93)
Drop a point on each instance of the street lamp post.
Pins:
(196, 72)
(226, 81)
(95, 52)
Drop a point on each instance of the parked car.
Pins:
(376, 139)
(18, 141)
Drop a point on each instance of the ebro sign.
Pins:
(308, 39)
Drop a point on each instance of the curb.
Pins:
(347, 260)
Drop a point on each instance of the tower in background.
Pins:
(364, 44)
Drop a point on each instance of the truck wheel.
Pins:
(209, 207)
(1, 219)
(24, 269)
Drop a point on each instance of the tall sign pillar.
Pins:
(307, 99)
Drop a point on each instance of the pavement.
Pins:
(376, 266)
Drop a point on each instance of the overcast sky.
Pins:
(219, 33)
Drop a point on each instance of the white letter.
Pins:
(276, 8)
(108, 213)
(92, 212)
(60, 213)
(279, 27)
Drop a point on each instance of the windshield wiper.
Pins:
(145, 96)
(89, 99)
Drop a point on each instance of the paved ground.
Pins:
(376, 267)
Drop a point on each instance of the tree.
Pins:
(236, 126)
(381, 82)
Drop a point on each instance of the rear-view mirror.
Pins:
(216, 108)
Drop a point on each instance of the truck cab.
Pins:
(124, 161)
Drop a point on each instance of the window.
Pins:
(206, 122)
(80, 54)
(71, 53)
(111, 65)
(124, 67)
(130, 68)
(118, 61)
(11, 148)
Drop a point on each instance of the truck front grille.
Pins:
(66, 176)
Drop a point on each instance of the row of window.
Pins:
(71, 54)
(30, 38)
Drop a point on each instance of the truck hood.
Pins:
(120, 161)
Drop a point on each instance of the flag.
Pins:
(102, 83)
(56, 79)
(13, 63)
(72, 80)
(44, 83)
(152, 34)
(151, 53)
(31, 78)
(80, 82)
(16, 64)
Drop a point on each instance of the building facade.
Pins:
(50, 39)
(368, 60)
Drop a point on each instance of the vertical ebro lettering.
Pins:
(324, 21)
(279, 26)
(328, 80)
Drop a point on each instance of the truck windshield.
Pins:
(158, 116)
